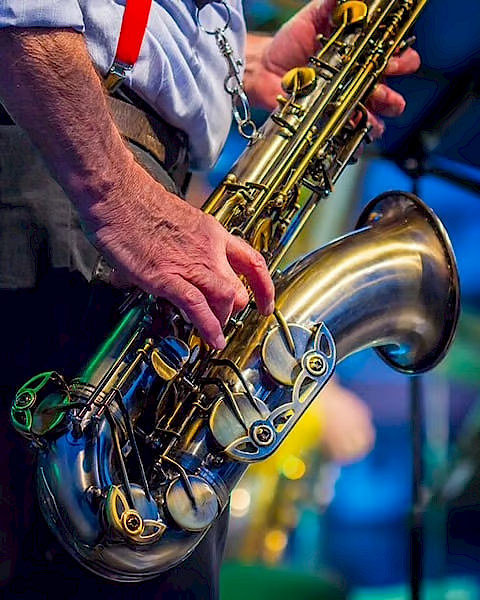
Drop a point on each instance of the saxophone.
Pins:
(137, 456)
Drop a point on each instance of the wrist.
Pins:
(110, 198)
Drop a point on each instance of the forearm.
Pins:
(50, 87)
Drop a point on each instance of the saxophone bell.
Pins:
(424, 343)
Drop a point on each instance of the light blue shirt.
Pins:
(180, 71)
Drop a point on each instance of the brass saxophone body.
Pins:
(138, 455)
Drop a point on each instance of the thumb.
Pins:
(299, 35)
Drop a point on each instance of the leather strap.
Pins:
(134, 125)
(143, 128)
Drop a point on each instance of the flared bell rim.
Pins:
(374, 211)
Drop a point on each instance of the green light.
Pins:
(114, 341)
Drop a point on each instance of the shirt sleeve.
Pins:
(41, 13)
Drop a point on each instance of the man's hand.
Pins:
(175, 251)
(269, 58)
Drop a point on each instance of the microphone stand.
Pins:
(416, 545)
(414, 166)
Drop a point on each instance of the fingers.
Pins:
(209, 302)
(241, 298)
(189, 299)
(181, 254)
(208, 306)
(207, 299)
(208, 296)
(386, 102)
(227, 296)
(404, 64)
(247, 261)
(378, 126)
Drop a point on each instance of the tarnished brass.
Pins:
(351, 12)
(262, 236)
(299, 81)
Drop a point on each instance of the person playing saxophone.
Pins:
(99, 193)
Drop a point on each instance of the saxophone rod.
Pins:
(361, 88)
(371, 73)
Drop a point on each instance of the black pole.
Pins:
(418, 509)
(415, 167)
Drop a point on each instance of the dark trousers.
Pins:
(52, 319)
(56, 326)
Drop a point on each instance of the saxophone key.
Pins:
(195, 508)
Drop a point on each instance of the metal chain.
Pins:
(233, 83)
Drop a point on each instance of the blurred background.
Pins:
(331, 516)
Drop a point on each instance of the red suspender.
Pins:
(132, 32)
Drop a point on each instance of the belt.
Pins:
(140, 125)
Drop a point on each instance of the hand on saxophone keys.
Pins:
(175, 251)
(269, 58)
(386, 102)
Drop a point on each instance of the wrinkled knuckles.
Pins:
(257, 261)
(193, 298)
(241, 300)
(222, 306)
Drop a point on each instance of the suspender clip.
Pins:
(117, 73)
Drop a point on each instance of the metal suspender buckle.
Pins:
(117, 73)
(132, 32)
